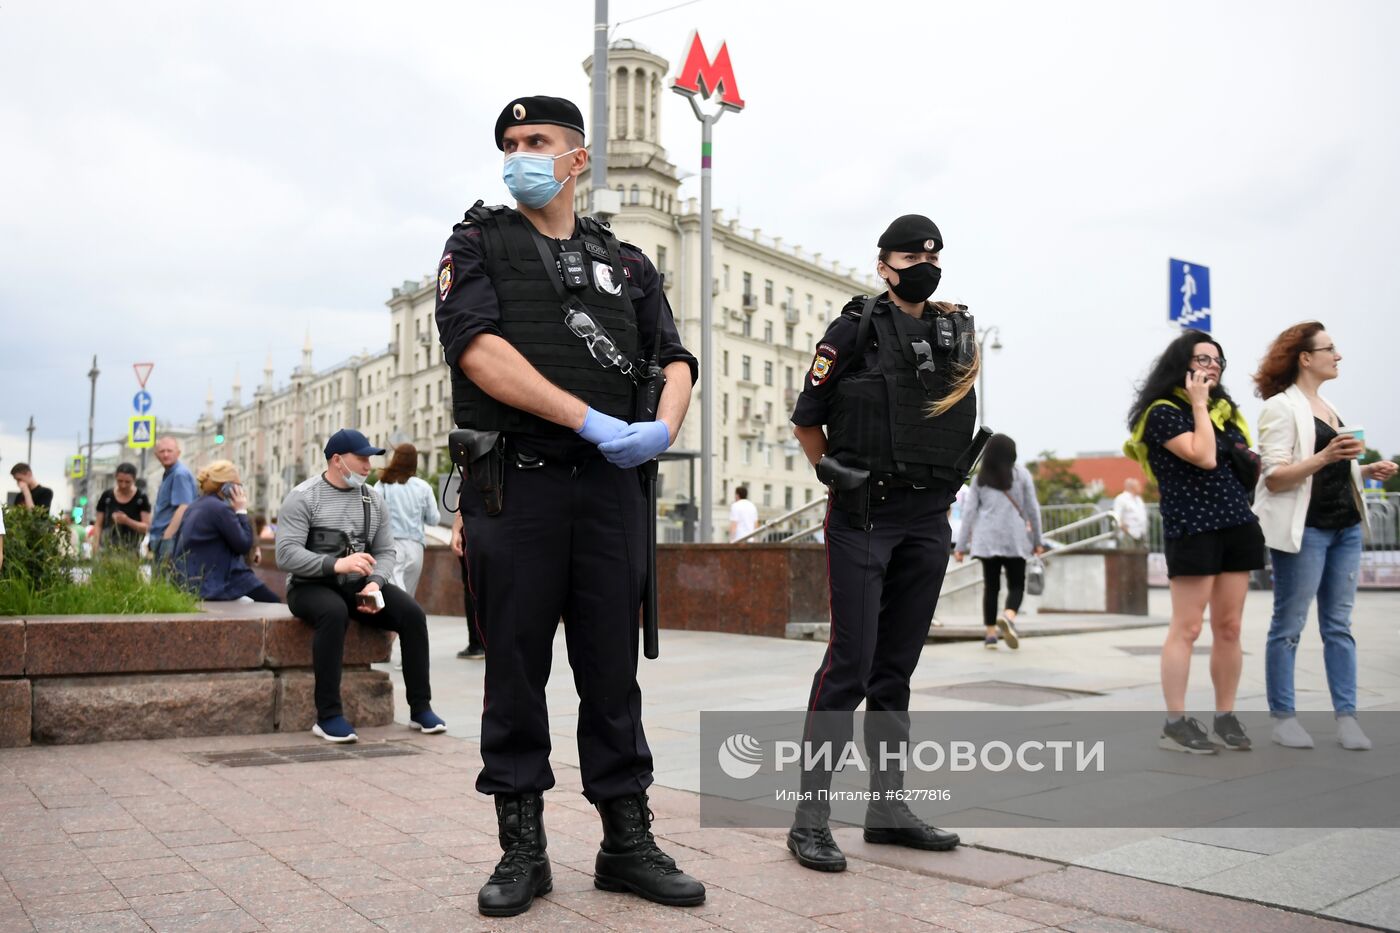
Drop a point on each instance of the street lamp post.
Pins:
(700, 79)
(994, 333)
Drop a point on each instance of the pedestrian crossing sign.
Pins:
(77, 466)
(141, 432)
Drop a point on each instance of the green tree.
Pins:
(1055, 482)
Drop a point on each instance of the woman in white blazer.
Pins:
(1309, 505)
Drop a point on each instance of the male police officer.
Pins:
(894, 452)
(544, 318)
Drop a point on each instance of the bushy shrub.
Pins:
(42, 575)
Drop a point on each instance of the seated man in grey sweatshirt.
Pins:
(336, 544)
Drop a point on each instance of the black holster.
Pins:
(850, 489)
(480, 456)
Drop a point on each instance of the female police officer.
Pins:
(892, 383)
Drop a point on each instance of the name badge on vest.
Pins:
(603, 279)
(595, 249)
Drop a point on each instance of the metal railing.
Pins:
(1097, 528)
(792, 526)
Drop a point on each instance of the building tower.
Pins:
(637, 166)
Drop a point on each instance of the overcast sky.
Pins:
(198, 184)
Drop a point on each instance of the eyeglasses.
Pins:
(926, 367)
(1330, 348)
(1204, 360)
(600, 344)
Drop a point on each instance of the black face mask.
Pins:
(917, 282)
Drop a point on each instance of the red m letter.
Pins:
(701, 76)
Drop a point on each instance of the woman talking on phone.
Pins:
(1310, 508)
(1189, 434)
(214, 537)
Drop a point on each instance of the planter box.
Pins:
(234, 669)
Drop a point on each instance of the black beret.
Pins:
(912, 233)
(538, 109)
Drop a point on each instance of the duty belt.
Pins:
(879, 481)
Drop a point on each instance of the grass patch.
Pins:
(43, 576)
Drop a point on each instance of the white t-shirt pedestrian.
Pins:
(743, 519)
(1131, 514)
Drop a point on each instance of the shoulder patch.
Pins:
(444, 276)
(822, 363)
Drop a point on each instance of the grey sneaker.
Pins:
(1350, 735)
(1009, 633)
(1186, 735)
(1229, 733)
(1290, 733)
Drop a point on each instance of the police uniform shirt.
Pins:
(467, 305)
(836, 355)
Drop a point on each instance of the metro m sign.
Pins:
(701, 76)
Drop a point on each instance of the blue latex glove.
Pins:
(598, 427)
(637, 443)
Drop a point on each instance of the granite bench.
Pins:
(232, 669)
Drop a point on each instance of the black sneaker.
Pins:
(1186, 735)
(1229, 733)
(471, 654)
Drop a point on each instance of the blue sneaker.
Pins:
(427, 722)
(335, 729)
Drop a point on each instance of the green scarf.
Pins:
(1135, 447)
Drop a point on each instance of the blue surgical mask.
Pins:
(530, 177)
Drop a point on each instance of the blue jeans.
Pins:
(1327, 567)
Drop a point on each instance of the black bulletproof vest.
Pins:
(532, 320)
(878, 420)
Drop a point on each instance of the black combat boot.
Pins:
(891, 822)
(630, 860)
(523, 872)
(810, 838)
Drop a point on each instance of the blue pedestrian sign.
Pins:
(141, 432)
(141, 401)
(1188, 295)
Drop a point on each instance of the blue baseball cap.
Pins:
(350, 441)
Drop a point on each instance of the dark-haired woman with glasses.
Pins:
(1192, 438)
(1314, 522)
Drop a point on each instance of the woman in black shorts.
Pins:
(1194, 441)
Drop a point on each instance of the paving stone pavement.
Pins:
(1351, 875)
(151, 836)
(147, 836)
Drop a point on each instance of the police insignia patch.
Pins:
(821, 366)
(603, 279)
(444, 277)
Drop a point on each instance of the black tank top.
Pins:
(1332, 505)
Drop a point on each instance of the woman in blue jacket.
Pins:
(215, 536)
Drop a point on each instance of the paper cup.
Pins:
(1356, 431)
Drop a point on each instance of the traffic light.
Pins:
(78, 510)
(219, 433)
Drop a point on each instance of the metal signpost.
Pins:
(141, 403)
(700, 78)
(1188, 295)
